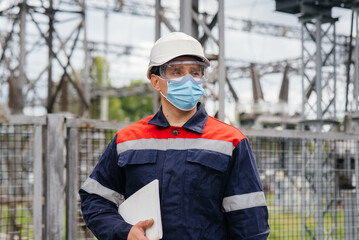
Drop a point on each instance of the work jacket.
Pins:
(208, 180)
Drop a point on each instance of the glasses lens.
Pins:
(174, 71)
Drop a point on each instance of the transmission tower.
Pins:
(320, 58)
(56, 29)
(193, 17)
(318, 109)
(318, 86)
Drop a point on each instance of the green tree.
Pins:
(131, 108)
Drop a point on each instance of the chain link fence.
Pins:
(310, 183)
(92, 142)
(310, 179)
(19, 198)
(16, 179)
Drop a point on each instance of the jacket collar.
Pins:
(195, 123)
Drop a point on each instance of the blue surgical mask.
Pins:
(185, 94)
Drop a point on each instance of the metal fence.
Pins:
(310, 179)
(21, 178)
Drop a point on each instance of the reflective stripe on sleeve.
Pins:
(94, 187)
(177, 144)
(244, 201)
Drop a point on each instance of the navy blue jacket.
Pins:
(209, 183)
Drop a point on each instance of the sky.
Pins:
(139, 31)
(238, 45)
(248, 47)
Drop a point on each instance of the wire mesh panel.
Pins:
(16, 181)
(310, 186)
(310, 180)
(92, 143)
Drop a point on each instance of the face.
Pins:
(174, 71)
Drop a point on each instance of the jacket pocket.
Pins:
(205, 172)
(139, 167)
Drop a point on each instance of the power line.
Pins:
(146, 9)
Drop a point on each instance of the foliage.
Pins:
(288, 224)
(131, 108)
(21, 225)
(96, 70)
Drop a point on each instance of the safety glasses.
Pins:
(174, 72)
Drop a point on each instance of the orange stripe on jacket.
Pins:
(213, 129)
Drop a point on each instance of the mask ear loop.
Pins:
(163, 95)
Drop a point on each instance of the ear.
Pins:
(155, 81)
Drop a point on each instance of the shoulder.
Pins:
(219, 126)
(134, 131)
(218, 130)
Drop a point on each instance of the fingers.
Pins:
(138, 231)
(145, 224)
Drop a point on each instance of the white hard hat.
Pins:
(173, 45)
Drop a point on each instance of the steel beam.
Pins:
(105, 99)
(221, 61)
(22, 60)
(86, 72)
(186, 17)
(206, 23)
(318, 105)
(318, 56)
(13, 61)
(356, 62)
(49, 41)
(159, 13)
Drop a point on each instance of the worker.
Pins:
(209, 184)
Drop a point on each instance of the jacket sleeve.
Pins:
(101, 195)
(244, 202)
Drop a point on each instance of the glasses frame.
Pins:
(201, 80)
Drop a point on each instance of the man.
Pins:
(209, 183)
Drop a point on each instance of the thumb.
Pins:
(146, 224)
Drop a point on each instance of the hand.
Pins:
(138, 231)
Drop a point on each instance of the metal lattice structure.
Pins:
(318, 29)
(319, 103)
(15, 184)
(72, 47)
(61, 46)
(356, 69)
(318, 86)
(48, 19)
(319, 76)
(310, 179)
(21, 180)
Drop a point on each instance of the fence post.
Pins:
(38, 182)
(71, 183)
(356, 163)
(54, 191)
